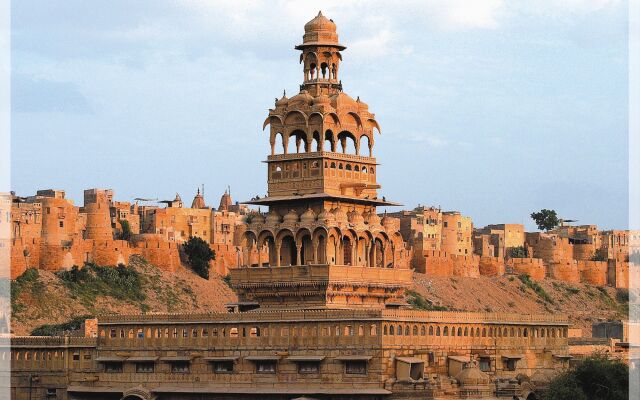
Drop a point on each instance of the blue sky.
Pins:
(493, 108)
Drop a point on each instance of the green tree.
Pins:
(595, 378)
(518, 252)
(199, 254)
(126, 229)
(545, 219)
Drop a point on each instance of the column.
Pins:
(315, 251)
(299, 260)
(277, 254)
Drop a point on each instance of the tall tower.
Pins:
(327, 246)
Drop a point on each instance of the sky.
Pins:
(493, 108)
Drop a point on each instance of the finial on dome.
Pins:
(319, 13)
(358, 99)
(284, 93)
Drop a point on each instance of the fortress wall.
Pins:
(110, 252)
(583, 251)
(436, 263)
(593, 272)
(618, 274)
(534, 267)
(466, 266)
(491, 266)
(566, 270)
(162, 254)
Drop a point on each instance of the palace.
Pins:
(320, 285)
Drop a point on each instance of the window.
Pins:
(113, 367)
(61, 223)
(222, 366)
(76, 356)
(112, 333)
(484, 364)
(510, 364)
(431, 358)
(87, 356)
(356, 367)
(308, 367)
(266, 367)
(144, 367)
(52, 392)
(180, 367)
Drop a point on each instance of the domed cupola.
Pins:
(341, 216)
(326, 217)
(273, 218)
(257, 218)
(343, 101)
(320, 31)
(301, 99)
(472, 376)
(389, 223)
(322, 103)
(371, 218)
(291, 218)
(308, 217)
(355, 218)
(283, 101)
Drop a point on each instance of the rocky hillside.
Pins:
(584, 304)
(40, 297)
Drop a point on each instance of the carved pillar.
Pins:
(315, 251)
(299, 260)
(278, 254)
(354, 253)
(374, 255)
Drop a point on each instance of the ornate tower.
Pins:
(327, 246)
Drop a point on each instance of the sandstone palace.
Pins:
(320, 280)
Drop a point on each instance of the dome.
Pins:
(343, 100)
(371, 218)
(302, 97)
(362, 106)
(320, 23)
(225, 201)
(356, 218)
(198, 201)
(471, 375)
(308, 217)
(291, 217)
(273, 218)
(284, 100)
(257, 218)
(340, 215)
(326, 217)
(320, 31)
(388, 222)
(322, 99)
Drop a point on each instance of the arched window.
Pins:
(525, 333)
(364, 170)
(391, 328)
(356, 168)
(445, 332)
(484, 332)
(423, 330)
(339, 165)
(384, 331)
(406, 330)
(459, 331)
(399, 330)
(348, 167)
(373, 330)
(431, 330)
(438, 331)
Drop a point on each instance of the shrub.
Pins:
(126, 230)
(94, 280)
(518, 252)
(60, 329)
(526, 281)
(418, 302)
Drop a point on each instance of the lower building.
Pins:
(324, 354)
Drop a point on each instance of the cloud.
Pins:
(425, 139)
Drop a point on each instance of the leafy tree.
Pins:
(518, 252)
(545, 219)
(126, 229)
(595, 378)
(199, 254)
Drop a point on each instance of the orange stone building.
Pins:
(322, 317)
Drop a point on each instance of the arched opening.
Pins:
(365, 143)
(347, 142)
(317, 140)
(346, 251)
(287, 251)
(324, 69)
(329, 143)
(532, 396)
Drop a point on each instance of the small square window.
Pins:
(308, 367)
(76, 356)
(356, 367)
(484, 364)
(180, 367)
(144, 367)
(113, 367)
(266, 367)
(222, 367)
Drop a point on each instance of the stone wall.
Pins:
(566, 271)
(534, 267)
(593, 272)
(157, 251)
(441, 263)
(491, 266)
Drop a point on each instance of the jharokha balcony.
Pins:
(321, 286)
